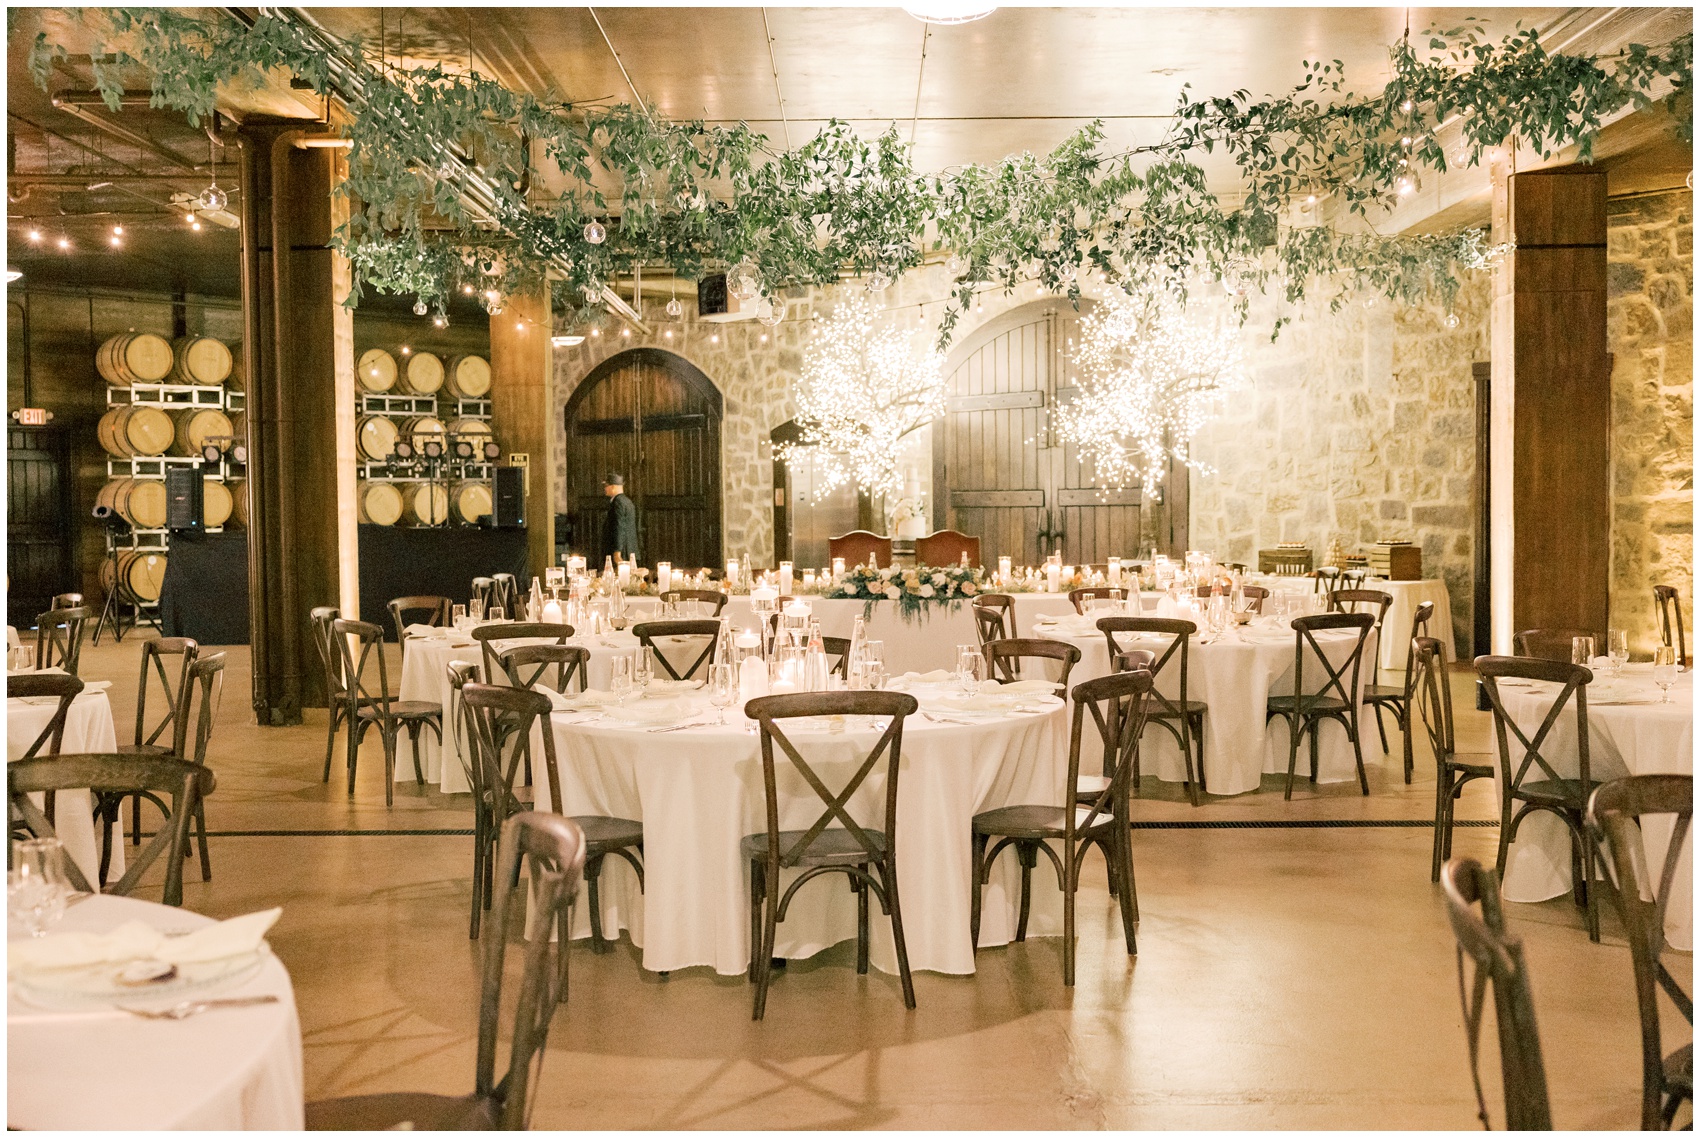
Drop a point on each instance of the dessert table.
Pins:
(698, 792)
(104, 1069)
(1235, 676)
(88, 729)
(1629, 732)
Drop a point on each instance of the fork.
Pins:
(195, 1007)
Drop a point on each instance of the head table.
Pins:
(1629, 732)
(698, 792)
(88, 729)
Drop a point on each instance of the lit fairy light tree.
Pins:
(1150, 378)
(864, 386)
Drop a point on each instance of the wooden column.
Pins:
(1550, 505)
(298, 363)
(522, 396)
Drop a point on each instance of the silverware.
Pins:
(195, 1007)
(675, 727)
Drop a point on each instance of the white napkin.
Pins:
(936, 676)
(650, 712)
(674, 685)
(423, 630)
(591, 697)
(134, 940)
(1029, 687)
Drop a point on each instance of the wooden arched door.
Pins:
(655, 418)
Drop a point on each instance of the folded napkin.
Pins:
(589, 698)
(425, 631)
(674, 685)
(936, 676)
(1030, 687)
(134, 940)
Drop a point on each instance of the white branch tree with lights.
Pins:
(863, 388)
(1150, 378)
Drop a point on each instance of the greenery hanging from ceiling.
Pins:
(1317, 167)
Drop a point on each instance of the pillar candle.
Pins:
(808, 578)
(552, 611)
(663, 576)
(837, 569)
(1052, 572)
(785, 577)
(1115, 567)
(1004, 565)
(731, 570)
(625, 573)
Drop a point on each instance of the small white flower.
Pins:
(892, 592)
(926, 590)
(885, 574)
(850, 587)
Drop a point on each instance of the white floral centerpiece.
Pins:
(914, 590)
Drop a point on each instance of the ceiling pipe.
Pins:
(122, 133)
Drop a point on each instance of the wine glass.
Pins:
(476, 609)
(970, 662)
(457, 617)
(1582, 650)
(722, 687)
(1617, 647)
(620, 679)
(643, 670)
(36, 886)
(1664, 670)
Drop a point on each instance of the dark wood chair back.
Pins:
(66, 601)
(856, 545)
(498, 727)
(1615, 814)
(705, 596)
(431, 611)
(1079, 597)
(358, 687)
(946, 547)
(1671, 632)
(1003, 658)
(1497, 956)
(52, 685)
(330, 656)
(1420, 616)
(202, 691)
(553, 849)
(1341, 680)
(1177, 650)
(1553, 643)
(1254, 596)
(571, 664)
(154, 653)
(1573, 681)
(481, 589)
(490, 635)
(837, 654)
(709, 630)
(994, 616)
(504, 591)
(59, 637)
(1327, 579)
(106, 776)
(1375, 603)
(461, 673)
(1431, 696)
(1118, 704)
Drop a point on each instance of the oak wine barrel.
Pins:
(376, 371)
(423, 374)
(134, 357)
(201, 360)
(130, 431)
(137, 572)
(375, 436)
(380, 503)
(471, 501)
(421, 427)
(216, 503)
(474, 431)
(139, 501)
(425, 503)
(468, 377)
(195, 427)
(238, 503)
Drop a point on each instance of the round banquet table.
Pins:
(698, 792)
(103, 1069)
(1407, 595)
(1629, 732)
(88, 729)
(1235, 676)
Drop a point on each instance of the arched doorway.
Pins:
(1000, 471)
(655, 418)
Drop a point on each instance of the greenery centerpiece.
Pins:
(914, 591)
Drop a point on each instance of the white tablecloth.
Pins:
(1407, 595)
(88, 729)
(699, 792)
(1235, 677)
(1640, 737)
(103, 1069)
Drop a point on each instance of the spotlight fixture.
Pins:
(565, 341)
(492, 451)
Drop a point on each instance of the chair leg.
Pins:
(478, 829)
(978, 858)
(107, 814)
(1186, 758)
(201, 838)
(593, 879)
(1292, 754)
(888, 875)
(764, 955)
(1352, 729)
(1122, 852)
(413, 731)
(1198, 740)
(1028, 857)
(1405, 728)
(1590, 894)
(758, 895)
(1315, 726)
(1442, 819)
(135, 821)
(1070, 873)
(331, 717)
(563, 939)
(356, 730)
(862, 891)
(1380, 727)
(388, 734)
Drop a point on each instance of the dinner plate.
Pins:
(63, 988)
(664, 686)
(650, 713)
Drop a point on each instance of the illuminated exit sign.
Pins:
(32, 416)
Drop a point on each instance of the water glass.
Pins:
(476, 609)
(620, 681)
(1582, 650)
(1617, 647)
(496, 614)
(643, 669)
(36, 887)
(967, 674)
(1664, 670)
(722, 687)
(457, 617)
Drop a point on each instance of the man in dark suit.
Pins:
(620, 531)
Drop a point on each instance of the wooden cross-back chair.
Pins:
(1004, 658)
(1376, 603)
(835, 842)
(480, 591)
(994, 617)
(504, 591)
(1336, 700)
(1326, 579)
(1079, 597)
(1498, 958)
(570, 663)
(433, 612)
(107, 776)
(51, 738)
(553, 849)
(1254, 596)
(1117, 704)
(1182, 717)
(703, 596)
(1398, 699)
(490, 635)
(1553, 643)
(59, 637)
(1431, 704)
(1528, 780)
(65, 601)
(370, 703)
(1671, 632)
(650, 631)
(837, 650)
(1616, 814)
(154, 653)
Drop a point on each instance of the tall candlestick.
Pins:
(1052, 572)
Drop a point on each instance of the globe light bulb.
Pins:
(878, 281)
(956, 264)
(213, 199)
(420, 308)
(742, 281)
(595, 232)
(440, 320)
(771, 311)
(675, 309)
(1452, 320)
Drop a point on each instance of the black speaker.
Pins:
(507, 509)
(711, 295)
(184, 495)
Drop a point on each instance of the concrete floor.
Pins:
(1287, 977)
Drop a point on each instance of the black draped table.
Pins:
(204, 595)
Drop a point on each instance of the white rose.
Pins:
(926, 590)
(885, 574)
(938, 578)
(850, 587)
(892, 592)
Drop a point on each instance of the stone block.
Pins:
(1442, 517)
(1391, 509)
(1624, 278)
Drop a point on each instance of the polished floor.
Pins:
(1287, 977)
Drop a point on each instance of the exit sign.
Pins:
(32, 416)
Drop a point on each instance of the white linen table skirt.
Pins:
(103, 1069)
(1235, 677)
(699, 792)
(88, 730)
(1624, 738)
(1407, 595)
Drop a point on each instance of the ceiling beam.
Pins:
(125, 134)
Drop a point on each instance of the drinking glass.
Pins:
(1581, 650)
(620, 682)
(496, 614)
(36, 886)
(1664, 670)
(457, 617)
(1617, 647)
(967, 656)
(476, 609)
(722, 687)
(643, 669)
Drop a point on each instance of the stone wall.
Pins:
(1651, 330)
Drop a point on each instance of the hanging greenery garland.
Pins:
(695, 198)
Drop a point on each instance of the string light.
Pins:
(625, 333)
(714, 339)
(441, 320)
(65, 244)
(863, 388)
(117, 231)
(35, 235)
(1149, 380)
